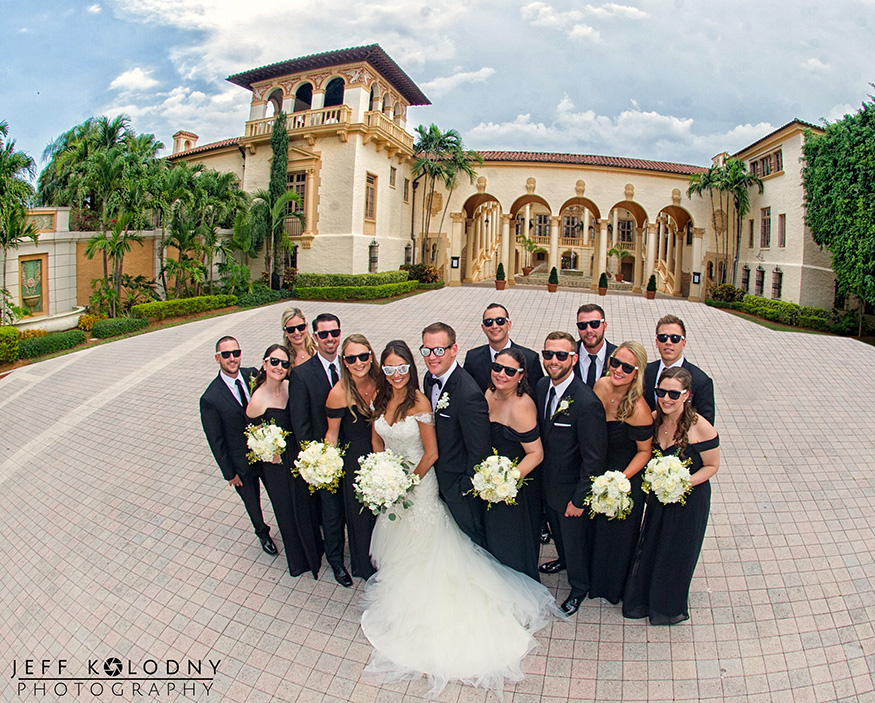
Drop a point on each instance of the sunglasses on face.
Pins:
(616, 363)
(595, 324)
(675, 338)
(509, 371)
(487, 321)
(437, 351)
(403, 369)
(234, 352)
(273, 361)
(674, 395)
(561, 355)
(323, 334)
(296, 328)
(350, 358)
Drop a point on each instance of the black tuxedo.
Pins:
(702, 388)
(575, 449)
(478, 363)
(463, 441)
(309, 387)
(224, 421)
(583, 354)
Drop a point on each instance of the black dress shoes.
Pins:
(341, 575)
(545, 534)
(268, 546)
(552, 567)
(571, 604)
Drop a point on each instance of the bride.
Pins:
(438, 605)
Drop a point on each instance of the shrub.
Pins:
(846, 324)
(725, 292)
(118, 325)
(431, 286)
(813, 322)
(31, 334)
(262, 295)
(603, 280)
(651, 282)
(422, 273)
(499, 273)
(327, 280)
(86, 321)
(40, 346)
(162, 309)
(554, 277)
(356, 292)
(8, 344)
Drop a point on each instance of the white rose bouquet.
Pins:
(668, 477)
(320, 465)
(383, 481)
(265, 441)
(610, 496)
(497, 480)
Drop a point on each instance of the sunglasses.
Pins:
(674, 395)
(616, 363)
(350, 358)
(234, 352)
(561, 355)
(296, 328)
(273, 361)
(675, 338)
(595, 324)
(403, 369)
(323, 334)
(509, 371)
(487, 321)
(437, 351)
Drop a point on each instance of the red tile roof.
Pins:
(591, 160)
(206, 147)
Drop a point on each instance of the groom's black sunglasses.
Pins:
(296, 328)
(350, 358)
(561, 355)
(487, 321)
(509, 371)
(273, 361)
(234, 352)
(323, 334)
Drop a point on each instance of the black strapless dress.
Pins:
(512, 531)
(668, 549)
(297, 514)
(355, 431)
(614, 540)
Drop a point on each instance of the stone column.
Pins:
(507, 248)
(678, 262)
(553, 259)
(669, 248)
(600, 253)
(584, 233)
(458, 219)
(638, 271)
(660, 228)
(469, 256)
(652, 241)
(615, 219)
(696, 263)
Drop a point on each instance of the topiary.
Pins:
(651, 282)
(603, 280)
(554, 276)
(499, 273)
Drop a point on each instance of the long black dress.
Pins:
(512, 531)
(614, 540)
(297, 514)
(355, 431)
(667, 552)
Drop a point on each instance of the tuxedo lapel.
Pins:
(228, 397)
(551, 421)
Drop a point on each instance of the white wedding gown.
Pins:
(439, 605)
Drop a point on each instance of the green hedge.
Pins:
(432, 286)
(262, 295)
(8, 344)
(783, 312)
(117, 325)
(40, 346)
(356, 292)
(162, 309)
(331, 280)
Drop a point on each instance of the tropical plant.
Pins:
(738, 181)
(271, 215)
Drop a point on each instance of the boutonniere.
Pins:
(563, 406)
(251, 383)
(443, 401)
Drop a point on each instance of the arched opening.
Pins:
(398, 113)
(375, 99)
(274, 103)
(334, 92)
(387, 104)
(303, 97)
(577, 226)
(568, 261)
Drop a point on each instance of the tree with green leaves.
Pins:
(738, 181)
(277, 186)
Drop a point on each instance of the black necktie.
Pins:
(551, 396)
(242, 393)
(332, 371)
(590, 374)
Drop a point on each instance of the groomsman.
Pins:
(575, 437)
(671, 340)
(309, 385)
(462, 427)
(223, 416)
(593, 350)
(496, 325)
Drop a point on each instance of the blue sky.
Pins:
(678, 80)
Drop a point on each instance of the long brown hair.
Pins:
(689, 416)
(261, 376)
(309, 344)
(353, 397)
(398, 347)
(626, 408)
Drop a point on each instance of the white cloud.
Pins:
(133, 79)
(540, 14)
(814, 64)
(443, 85)
(613, 10)
(94, 9)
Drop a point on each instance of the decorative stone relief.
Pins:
(437, 203)
(630, 191)
(530, 185)
(358, 75)
(580, 188)
(676, 196)
(318, 78)
(481, 184)
(44, 222)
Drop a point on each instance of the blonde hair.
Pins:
(626, 408)
(309, 344)
(353, 397)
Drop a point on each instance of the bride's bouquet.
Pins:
(668, 477)
(383, 481)
(265, 441)
(497, 480)
(610, 496)
(320, 465)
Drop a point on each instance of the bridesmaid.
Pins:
(350, 412)
(296, 336)
(295, 512)
(630, 438)
(513, 531)
(672, 535)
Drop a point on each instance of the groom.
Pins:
(462, 426)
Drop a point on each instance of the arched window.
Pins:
(274, 103)
(387, 104)
(375, 99)
(398, 113)
(334, 92)
(745, 278)
(303, 97)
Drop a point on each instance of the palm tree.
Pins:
(460, 162)
(271, 215)
(738, 181)
(15, 227)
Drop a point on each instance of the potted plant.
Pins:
(531, 246)
(650, 293)
(500, 278)
(603, 284)
(620, 254)
(553, 280)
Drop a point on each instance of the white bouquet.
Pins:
(383, 481)
(496, 480)
(610, 496)
(265, 441)
(668, 477)
(320, 465)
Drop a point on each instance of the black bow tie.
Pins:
(431, 381)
